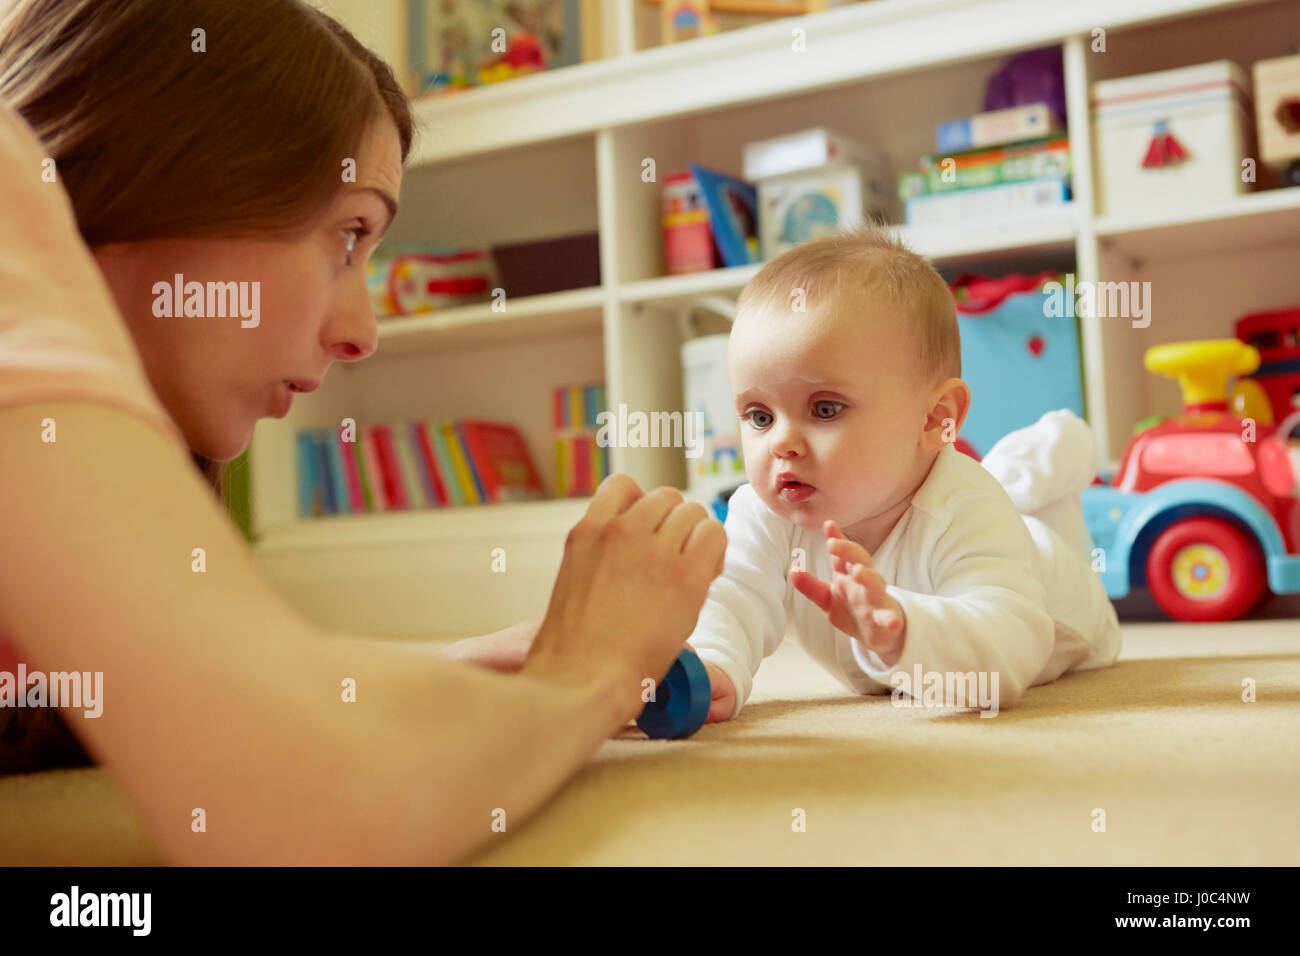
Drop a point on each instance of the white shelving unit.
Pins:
(562, 153)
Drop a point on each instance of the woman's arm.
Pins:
(504, 650)
(219, 696)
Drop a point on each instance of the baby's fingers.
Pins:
(872, 582)
(814, 589)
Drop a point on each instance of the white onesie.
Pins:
(993, 573)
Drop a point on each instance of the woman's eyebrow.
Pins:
(387, 200)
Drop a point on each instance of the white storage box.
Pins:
(1171, 138)
(719, 463)
(814, 183)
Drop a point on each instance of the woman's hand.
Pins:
(635, 574)
(504, 650)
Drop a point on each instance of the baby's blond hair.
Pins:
(850, 266)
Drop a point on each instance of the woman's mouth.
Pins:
(793, 490)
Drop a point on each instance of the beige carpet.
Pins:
(1186, 772)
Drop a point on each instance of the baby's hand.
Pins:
(722, 693)
(855, 600)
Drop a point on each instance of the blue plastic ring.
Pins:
(681, 704)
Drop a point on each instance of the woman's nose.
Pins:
(353, 334)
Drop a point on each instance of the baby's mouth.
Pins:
(791, 489)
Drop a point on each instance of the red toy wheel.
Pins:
(1205, 569)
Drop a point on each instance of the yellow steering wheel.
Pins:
(1203, 368)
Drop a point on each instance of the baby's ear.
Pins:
(949, 405)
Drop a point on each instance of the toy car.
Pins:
(1205, 508)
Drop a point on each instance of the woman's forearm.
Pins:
(493, 748)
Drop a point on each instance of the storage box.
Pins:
(1277, 109)
(1171, 138)
(549, 265)
(814, 183)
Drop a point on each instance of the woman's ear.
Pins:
(948, 405)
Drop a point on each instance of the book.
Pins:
(996, 126)
(582, 445)
(502, 461)
(733, 215)
(455, 493)
(358, 448)
(562, 485)
(475, 475)
(1018, 162)
(425, 447)
(348, 461)
(342, 493)
(378, 491)
(307, 500)
(458, 463)
(989, 202)
(394, 481)
(329, 503)
(410, 471)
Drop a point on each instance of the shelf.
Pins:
(442, 526)
(743, 66)
(555, 313)
(946, 246)
(1252, 221)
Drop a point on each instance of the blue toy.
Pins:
(681, 702)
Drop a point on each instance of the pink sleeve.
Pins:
(61, 337)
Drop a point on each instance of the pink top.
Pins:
(61, 337)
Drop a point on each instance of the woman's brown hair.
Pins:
(187, 119)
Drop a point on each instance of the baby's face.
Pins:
(832, 414)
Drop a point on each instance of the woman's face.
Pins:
(292, 307)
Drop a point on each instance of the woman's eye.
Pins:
(351, 236)
(758, 418)
(827, 409)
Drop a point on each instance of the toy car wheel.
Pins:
(1205, 569)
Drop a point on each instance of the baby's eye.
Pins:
(826, 409)
(757, 417)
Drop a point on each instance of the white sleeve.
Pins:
(743, 618)
(988, 612)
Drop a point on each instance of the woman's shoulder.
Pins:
(61, 337)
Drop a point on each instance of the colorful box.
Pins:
(813, 184)
(1277, 109)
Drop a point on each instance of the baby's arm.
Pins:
(987, 613)
(743, 618)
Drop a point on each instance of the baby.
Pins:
(910, 558)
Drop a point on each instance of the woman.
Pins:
(212, 145)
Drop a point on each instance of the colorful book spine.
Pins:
(972, 205)
(329, 501)
(394, 483)
(474, 471)
(415, 491)
(352, 474)
(307, 500)
(378, 491)
(421, 432)
(358, 454)
(996, 126)
(501, 459)
(458, 463)
(455, 491)
(338, 472)
(1015, 163)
